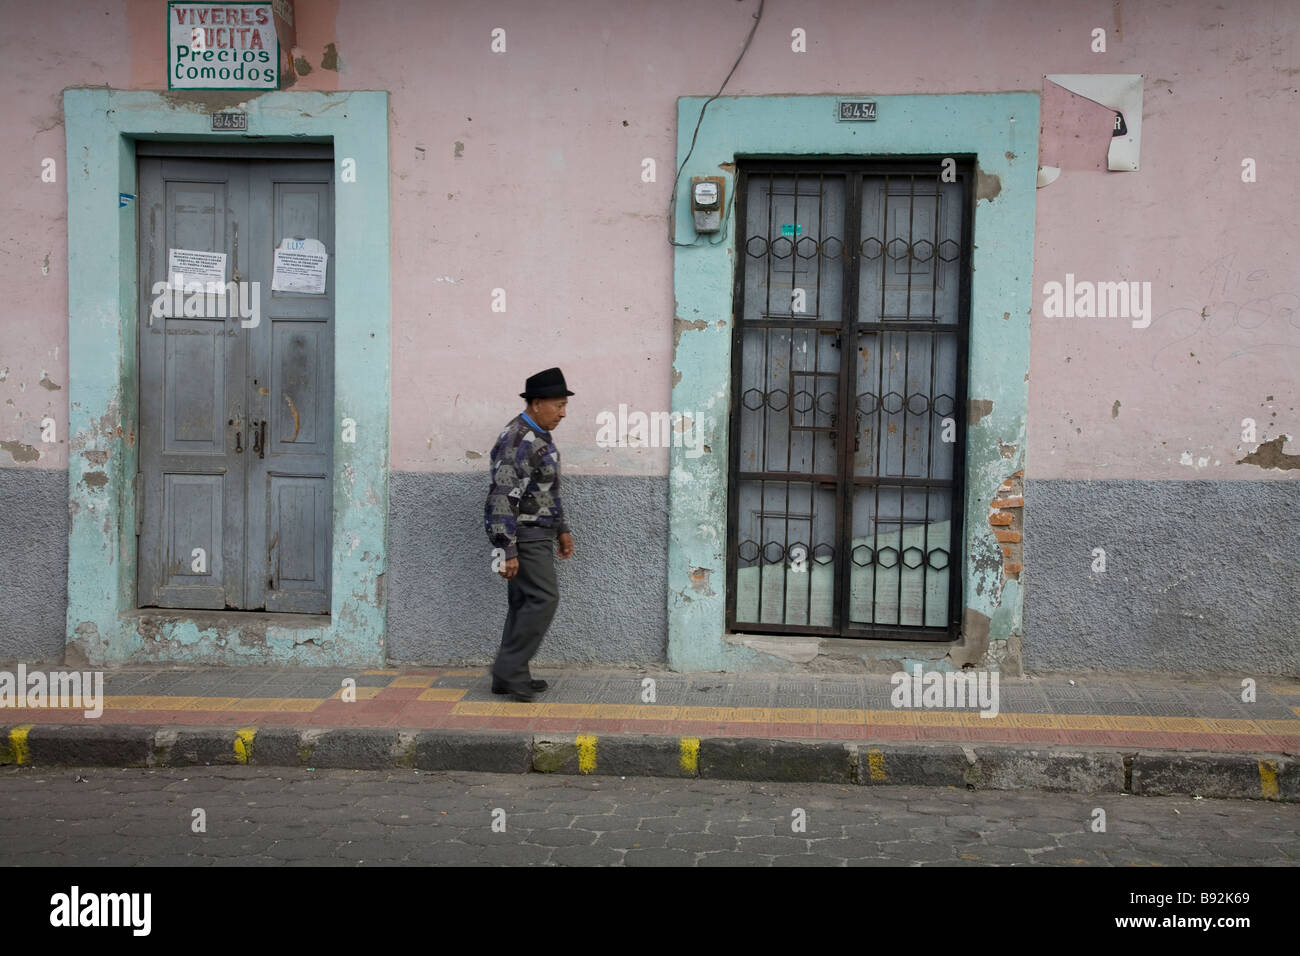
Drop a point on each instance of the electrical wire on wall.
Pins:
(672, 199)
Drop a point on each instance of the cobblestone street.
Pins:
(274, 817)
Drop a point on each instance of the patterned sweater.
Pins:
(525, 485)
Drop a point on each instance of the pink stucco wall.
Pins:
(522, 171)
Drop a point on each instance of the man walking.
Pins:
(524, 518)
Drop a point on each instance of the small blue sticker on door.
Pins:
(124, 199)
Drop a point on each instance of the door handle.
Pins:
(238, 448)
(259, 438)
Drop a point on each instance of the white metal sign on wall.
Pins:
(222, 46)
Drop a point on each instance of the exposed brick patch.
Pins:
(1006, 518)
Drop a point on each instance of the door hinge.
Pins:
(137, 489)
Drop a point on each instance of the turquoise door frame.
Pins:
(1001, 131)
(103, 623)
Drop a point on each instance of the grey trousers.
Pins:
(534, 595)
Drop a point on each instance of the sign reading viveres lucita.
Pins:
(222, 46)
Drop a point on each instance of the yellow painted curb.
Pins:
(586, 753)
(244, 743)
(18, 742)
(691, 756)
(1268, 779)
(876, 764)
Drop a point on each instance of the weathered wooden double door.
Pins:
(233, 493)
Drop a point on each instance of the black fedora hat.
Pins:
(546, 384)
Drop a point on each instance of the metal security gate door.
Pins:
(233, 496)
(848, 399)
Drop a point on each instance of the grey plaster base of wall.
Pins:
(446, 605)
(1200, 576)
(33, 563)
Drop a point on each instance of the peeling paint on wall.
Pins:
(1270, 455)
(975, 641)
(976, 409)
(700, 581)
(20, 452)
(681, 325)
(205, 102)
(988, 185)
(1006, 517)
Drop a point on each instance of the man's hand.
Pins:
(511, 568)
(566, 545)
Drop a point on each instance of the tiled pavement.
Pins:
(1205, 716)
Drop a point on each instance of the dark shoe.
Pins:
(522, 696)
(537, 685)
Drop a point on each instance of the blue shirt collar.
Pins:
(534, 424)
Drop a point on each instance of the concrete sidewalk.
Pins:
(1095, 734)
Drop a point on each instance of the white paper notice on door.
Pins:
(300, 266)
(187, 266)
(194, 273)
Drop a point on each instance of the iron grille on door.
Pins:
(848, 399)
